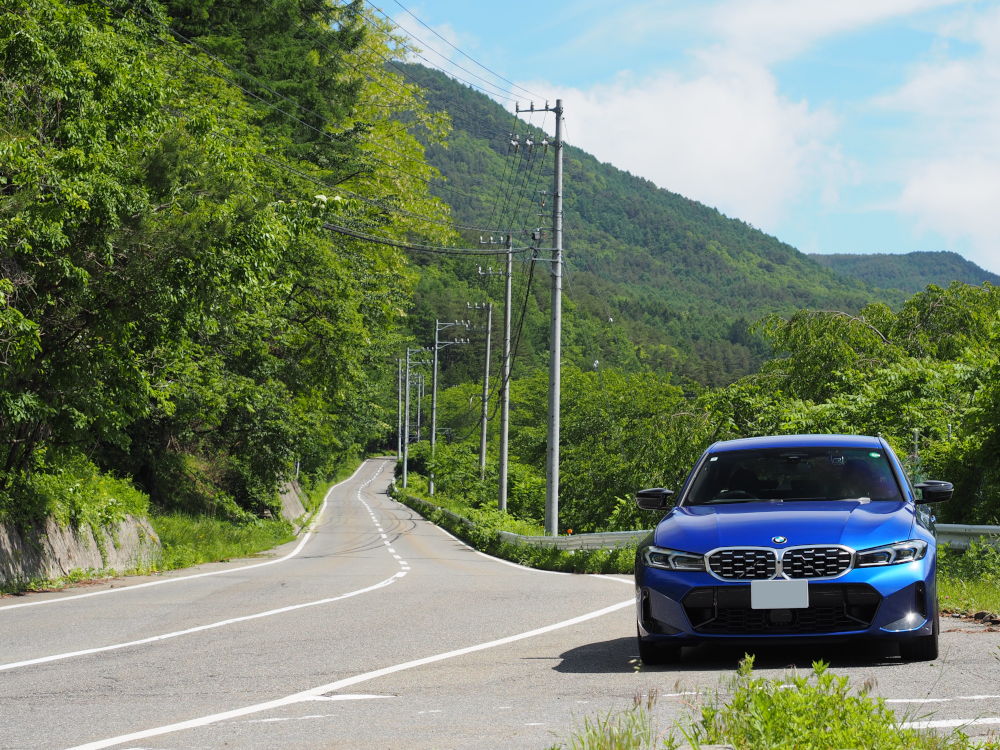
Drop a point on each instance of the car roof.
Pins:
(797, 441)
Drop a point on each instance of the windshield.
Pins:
(810, 473)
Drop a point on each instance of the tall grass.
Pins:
(970, 581)
(191, 540)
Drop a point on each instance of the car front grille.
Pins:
(815, 562)
(743, 564)
(833, 608)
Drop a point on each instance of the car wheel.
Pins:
(923, 648)
(655, 654)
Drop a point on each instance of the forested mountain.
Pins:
(910, 272)
(678, 281)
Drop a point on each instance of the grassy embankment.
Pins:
(80, 495)
(190, 540)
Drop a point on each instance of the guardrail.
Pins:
(956, 536)
(603, 540)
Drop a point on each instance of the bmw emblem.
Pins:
(779, 539)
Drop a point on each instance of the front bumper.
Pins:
(895, 602)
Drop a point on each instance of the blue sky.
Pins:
(835, 125)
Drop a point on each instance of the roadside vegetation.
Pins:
(814, 711)
(968, 582)
(179, 330)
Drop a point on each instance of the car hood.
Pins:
(860, 525)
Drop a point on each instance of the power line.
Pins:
(435, 249)
(500, 91)
(492, 72)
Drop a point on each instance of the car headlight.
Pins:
(892, 554)
(672, 559)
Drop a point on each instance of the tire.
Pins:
(922, 648)
(655, 654)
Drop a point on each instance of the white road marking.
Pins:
(319, 690)
(950, 723)
(210, 626)
(222, 623)
(290, 555)
(448, 534)
(943, 700)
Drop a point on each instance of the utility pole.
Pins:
(420, 398)
(508, 274)
(399, 409)
(438, 346)
(488, 307)
(555, 335)
(410, 351)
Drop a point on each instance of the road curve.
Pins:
(381, 631)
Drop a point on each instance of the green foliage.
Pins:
(969, 581)
(910, 272)
(171, 302)
(818, 711)
(73, 492)
(620, 432)
(190, 540)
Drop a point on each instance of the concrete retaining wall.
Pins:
(48, 550)
(292, 496)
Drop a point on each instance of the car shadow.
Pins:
(621, 655)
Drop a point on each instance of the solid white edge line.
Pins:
(199, 628)
(316, 692)
(293, 553)
(949, 723)
(508, 562)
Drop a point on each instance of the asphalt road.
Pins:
(379, 630)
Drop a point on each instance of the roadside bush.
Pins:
(816, 711)
(72, 490)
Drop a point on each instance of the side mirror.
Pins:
(657, 498)
(935, 491)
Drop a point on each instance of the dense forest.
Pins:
(910, 272)
(173, 308)
(224, 222)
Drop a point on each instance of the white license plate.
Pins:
(779, 594)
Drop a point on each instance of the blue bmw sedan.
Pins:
(790, 538)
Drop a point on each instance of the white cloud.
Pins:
(773, 30)
(951, 180)
(766, 31)
(958, 199)
(724, 137)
